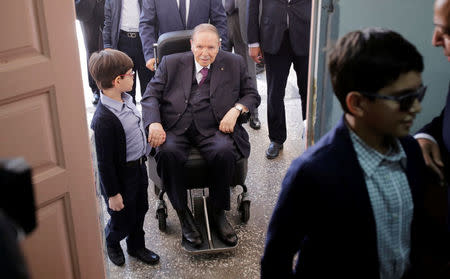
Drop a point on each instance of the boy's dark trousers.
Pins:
(129, 221)
(130, 43)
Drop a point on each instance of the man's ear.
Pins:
(356, 103)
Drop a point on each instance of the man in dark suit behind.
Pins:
(90, 13)
(162, 16)
(281, 36)
(237, 38)
(196, 98)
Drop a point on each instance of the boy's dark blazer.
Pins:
(162, 16)
(267, 28)
(113, 11)
(111, 149)
(165, 99)
(324, 211)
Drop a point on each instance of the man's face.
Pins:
(205, 46)
(385, 116)
(441, 34)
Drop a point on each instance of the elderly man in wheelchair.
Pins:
(200, 98)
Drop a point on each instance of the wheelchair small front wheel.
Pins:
(162, 224)
(244, 210)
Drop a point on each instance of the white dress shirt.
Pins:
(129, 18)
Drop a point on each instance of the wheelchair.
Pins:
(195, 169)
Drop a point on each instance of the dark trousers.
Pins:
(93, 41)
(129, 221)
(236, 41)
(133, 48)
(220, 154)
(277, 72)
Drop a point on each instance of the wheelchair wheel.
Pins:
(162, 224)
(244, 210)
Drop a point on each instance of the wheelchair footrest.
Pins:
(212, 245)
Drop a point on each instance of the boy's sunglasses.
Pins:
(405, 100)
(130, 74)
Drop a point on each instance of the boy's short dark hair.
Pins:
(106, 65)
(370, 59)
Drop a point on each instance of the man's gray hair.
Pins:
(205, 27)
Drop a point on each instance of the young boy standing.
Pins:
(120, 143)
(351, 205)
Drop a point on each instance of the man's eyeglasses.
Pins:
(405, 100)
(130, 74)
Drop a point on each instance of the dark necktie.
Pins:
(204, 73)
(182, 9)
(230, 6)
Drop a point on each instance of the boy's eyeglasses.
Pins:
(130, 74)
(405, 100)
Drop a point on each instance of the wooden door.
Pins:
(43, 119)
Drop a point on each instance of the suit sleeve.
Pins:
(105, 144)
(248, 94)
(218, 18)
(153, 94)
(107, 43)
(287, 225)
(253, 21)
(434, 128)
(148, 27)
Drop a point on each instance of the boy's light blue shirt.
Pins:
(392, 204)
(131, 121)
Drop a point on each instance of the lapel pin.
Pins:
(221, 69)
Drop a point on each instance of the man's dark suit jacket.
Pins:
(111, 149)
(268, 29)
(113, 11)
(162, 16)
(439, 128)
(167, 94)
(324, 212)
(84, 9)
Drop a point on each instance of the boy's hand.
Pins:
(156, 134)
(116, 202)
(432, 156)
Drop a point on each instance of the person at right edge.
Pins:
(434, 138)
(281, 37)
(352, 205)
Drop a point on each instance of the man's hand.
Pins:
(151, 64)
(229, 121)
(116, 202)
(156, 134)
(255, 53)
(432, 156)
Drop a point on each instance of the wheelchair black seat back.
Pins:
(196, 167)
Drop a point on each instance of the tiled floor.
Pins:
(263, 181)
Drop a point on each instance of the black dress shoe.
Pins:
(188, 229)
(224, 230)
(273, 150)
(115, 254)
(255, 123)
(144, 255)
(96, 97)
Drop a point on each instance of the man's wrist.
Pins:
(425, 136)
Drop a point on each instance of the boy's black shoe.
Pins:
(115, 254)
(145, 255)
